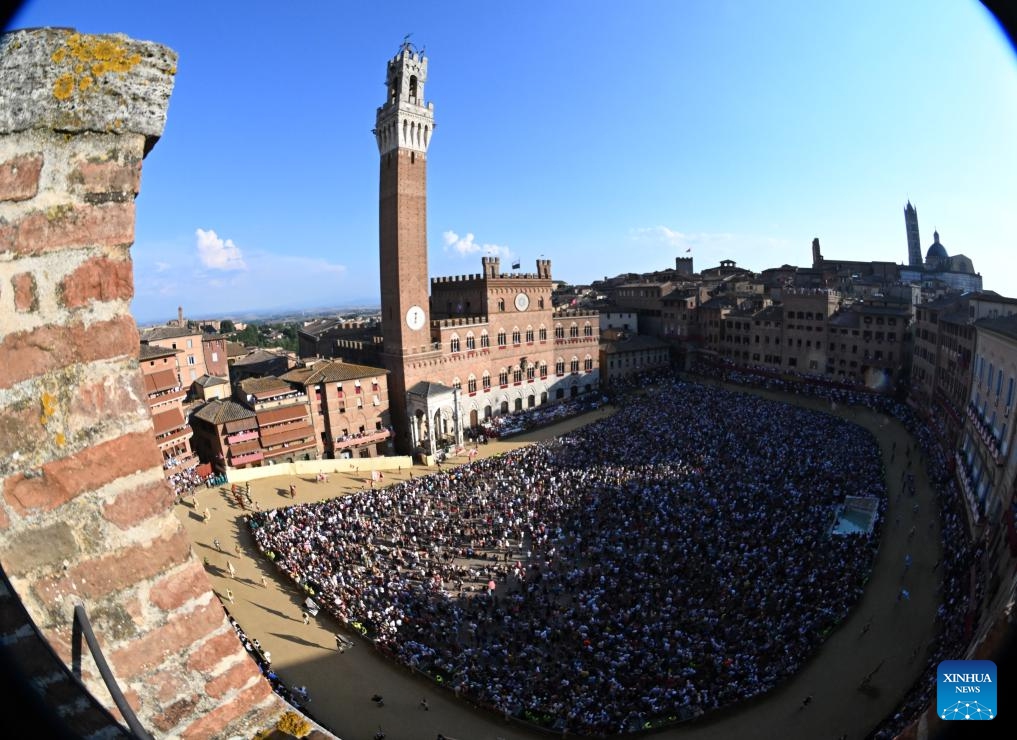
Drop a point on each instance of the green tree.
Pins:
(249, 336)
(226, 327)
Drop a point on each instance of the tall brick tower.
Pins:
(403, 130)
(914, 241)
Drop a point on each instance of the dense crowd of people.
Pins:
(957, 608)
(540, 416)
(297, 696)
(185, 481)
(668, 561)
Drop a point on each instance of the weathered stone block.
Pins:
(59, 79)
(30, 549)
(19, 177)
(100, 279)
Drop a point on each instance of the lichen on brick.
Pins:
(49, 406)
(63, 86)
(55, 213)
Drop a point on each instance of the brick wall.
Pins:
(85, 515)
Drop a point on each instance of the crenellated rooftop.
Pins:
(460, 321)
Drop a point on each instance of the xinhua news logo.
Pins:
(966, 690)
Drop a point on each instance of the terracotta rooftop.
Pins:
(258, 356)
(332, 372)
(265, 386)
(153, 352)
(207, 381)
(220, 412)
(167, 332)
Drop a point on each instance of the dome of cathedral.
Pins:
(937, 251)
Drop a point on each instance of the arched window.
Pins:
(543, 371)
(529, 335)
(503, 377)
(456, 383)
(487, 381)
(531, 372)
(540, 302)
(543, 334)
(501, 304)
(587, 330)
(454, 343)
(516, 336)
(588, 363)
(517, 375)
(501, 337)
(559, 331)
(559, 366)
(471, 384)
(574, 364)
(485, 340)
(574, 330)
(471, 342)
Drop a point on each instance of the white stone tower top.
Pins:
(405, 121)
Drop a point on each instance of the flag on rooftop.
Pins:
(515, 265)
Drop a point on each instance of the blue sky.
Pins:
(606, 136)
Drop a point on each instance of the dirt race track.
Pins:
(340, 685)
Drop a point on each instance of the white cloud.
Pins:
(467, 245)
(218, 254)
(678, 239)
(162, 266)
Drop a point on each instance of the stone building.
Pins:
(191, 359)
(868, 344)
(327, 338)
(630, 356)
(285, 430)
(942, 354)
(213, 348)
(258, 363)
(987, 459)
(988, 455)
(165, 401)
(208, 387)
(481, 344)
(349, 407)
(226, 435)
(679, 313)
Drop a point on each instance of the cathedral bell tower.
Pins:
(403, 130)
(914, 241)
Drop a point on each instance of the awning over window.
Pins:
(168, 420)
(287, 434)
(286, 413)
(161, 380)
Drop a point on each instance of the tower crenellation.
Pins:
(492, 266)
